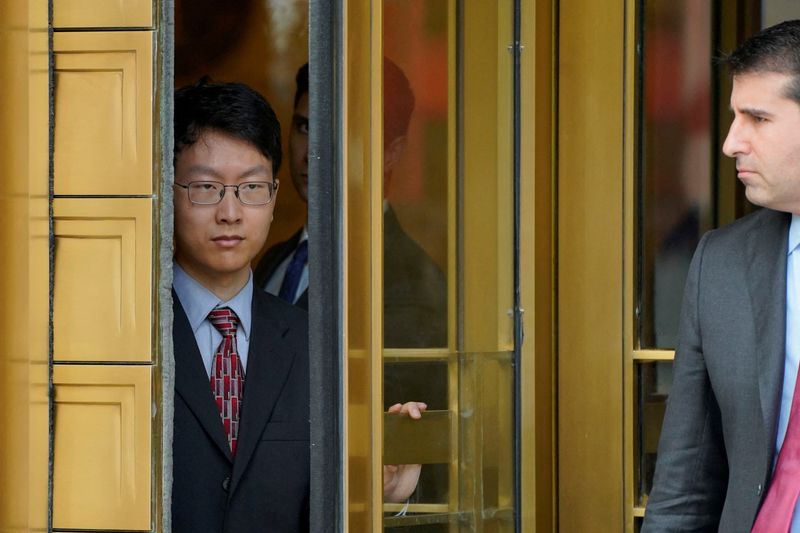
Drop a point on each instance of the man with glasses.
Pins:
(241, 435)
(241, 430)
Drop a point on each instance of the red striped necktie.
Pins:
(227, 375)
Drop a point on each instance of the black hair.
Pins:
(301, 80)
(230, 108)
(398, 101)
(398, 98)
(774, 49)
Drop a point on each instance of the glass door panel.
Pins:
(447, 204)
(675, 198)
(674, 156)
(486, 265)
(418, 178)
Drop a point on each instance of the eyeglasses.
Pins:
(249, 192)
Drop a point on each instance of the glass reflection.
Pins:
(415, 182)
(414, 287)
(675, 182)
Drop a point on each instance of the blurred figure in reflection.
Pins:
(677, 160)
(415, 290)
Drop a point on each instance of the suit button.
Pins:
(758, 490)
(226, 483)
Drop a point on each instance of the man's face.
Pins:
(298, 147)
(765, 140)
(215, 243)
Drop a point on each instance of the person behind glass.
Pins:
(415, 291)
(729, 454)
(241, 432)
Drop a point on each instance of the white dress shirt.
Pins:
(198, 302)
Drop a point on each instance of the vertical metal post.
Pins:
(519, 333)
(326, 273)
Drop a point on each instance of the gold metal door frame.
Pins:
(91, 413)
(363, 236)
(594, 173)
(24, 274)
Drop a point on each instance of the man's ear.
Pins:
(392, 153)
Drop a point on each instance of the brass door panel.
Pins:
(102, 13)
(24, 270)
(101, 469)
(425, 441)
(362, 159)
(102, 299)
(486, 361)
(103, 113)
(591, 172)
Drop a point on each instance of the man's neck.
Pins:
(226, 290)
(223, 287)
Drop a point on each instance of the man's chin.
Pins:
(754, 197)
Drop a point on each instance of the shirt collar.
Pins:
(794, 234)
(198, 301)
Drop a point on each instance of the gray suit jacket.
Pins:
(718, 439)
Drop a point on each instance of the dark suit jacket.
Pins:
(415, 310)
(415, 290)
(415, 316)
(718, 439)
(266, 486)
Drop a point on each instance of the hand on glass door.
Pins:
(400, 481)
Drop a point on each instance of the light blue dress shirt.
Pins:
(198, 302)
(792, 342)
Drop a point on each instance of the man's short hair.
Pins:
(301, 80)
(230, 108)
(398, 99)
(774, 49)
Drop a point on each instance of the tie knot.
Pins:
(225, 320)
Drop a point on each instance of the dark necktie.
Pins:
(227, 375)
(775, 515)
(294, 272)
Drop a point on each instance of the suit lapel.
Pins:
(274, 256)
(766, 281)
(302, 301)
(191, 380)
(269, 361)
